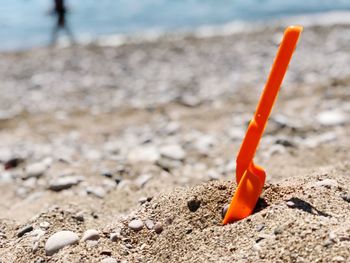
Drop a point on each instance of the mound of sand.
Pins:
(304, 219)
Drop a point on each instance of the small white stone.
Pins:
(331, 118)
(190, 101)
(6, 177)
(44, 225)
(257, 247)
(149, 224)
(338, 259)
(314, 141)
(35, 170)
(172, 127)
(333, 236)
(142, 180)
(115, 236)
(213, 175)
(136, 225)
(35, 246)
(328, 183)
(204, 144)
(59, 240)
(90, 234)
(109, 260)
(173, 151)
(37, 234)
(97, 191)
(144, 154)
(290, 204)
(63, 183)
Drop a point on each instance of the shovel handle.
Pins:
(267, 99)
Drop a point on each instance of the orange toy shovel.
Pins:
(250, 177)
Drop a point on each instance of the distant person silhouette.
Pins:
(60, 11)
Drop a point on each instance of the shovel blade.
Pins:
(246, 195)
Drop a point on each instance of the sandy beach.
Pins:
(114, 143)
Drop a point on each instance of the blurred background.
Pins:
(28, 20)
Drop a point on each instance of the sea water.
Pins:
(27, 23)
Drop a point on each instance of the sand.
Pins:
(100, 117)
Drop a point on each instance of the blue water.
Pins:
(25, 23)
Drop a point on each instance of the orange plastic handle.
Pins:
(251, 178)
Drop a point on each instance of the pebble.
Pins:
(106, 252)
(190, 101)
(24, 230)
(213, 175)
(44, 225)
(2, 235)
(260, 227)
(37, 234)
(338, 259)
(144, 154)
(204, 144)
(109, 260)
(142, 180)
(278, 231)
(90, 234)
(114, 237)
(63, 183)
(12, 163)
(173, 152)
(236, 134)
(30, 183)
(285, 142)
(35, 170)
(224, 210)
(40, 260)
(333, 236)
(172, 128)
(282, 121)
(328, 183)
(35, 246)
(149, 224)
(112, 147)
(6, 177)
(136, 225)
(108, 184)
(193, 204)
(345, 197)
(328, 242)
(92, 243)
(314, 141)
(79, 216)
(290, 204)
(59, 240)
(158, 228)
(118, 180)
(97, 191)
(256, 247)
(168, 164)
(107, 174)
(331, 118)
(142, 200)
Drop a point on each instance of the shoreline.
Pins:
(331, 18)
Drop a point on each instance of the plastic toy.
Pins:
(249, 176)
